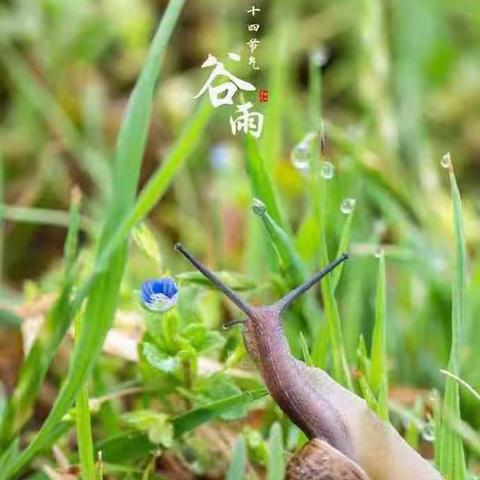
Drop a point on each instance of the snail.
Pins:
(347, 440)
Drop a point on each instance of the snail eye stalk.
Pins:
(281, 305)
(237, 300)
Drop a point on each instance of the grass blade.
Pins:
(287, 253)
(43, 216)
(129, 446)
(194, 418)
(262, 185)
(340, 363)
(291, 263)
(449, 453)
(343, 247)
(149, 196)
(278, 82)
(48, 340)
(276, 467)
(84, 436)
(378, 361)
(157, 184)
(463, 383)
(102, 300)
(83, 424)
(236, 470)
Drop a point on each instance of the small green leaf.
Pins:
(156, 425)
(159, 360)
(203, 339)
(164, 329)
(222, 386)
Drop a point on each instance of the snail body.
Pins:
(347, 440)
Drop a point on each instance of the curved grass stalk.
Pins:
(102, 300)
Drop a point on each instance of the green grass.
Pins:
(449, 454)
(102, 300)
(386, 102)
(378, 368)
(236, 471)
(276, 467)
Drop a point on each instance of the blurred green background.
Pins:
(402, 82)
(399, 86)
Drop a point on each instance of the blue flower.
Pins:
(159, 295)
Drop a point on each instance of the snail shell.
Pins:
(317, 460)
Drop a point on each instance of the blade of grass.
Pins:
(157, 185)
(7, 457)
(449, 453)
(151, 193)
(322, 336)
(340, 363)
(262, 185)
(315, 92)
(84, 436)
(412, 430)
(463, 383)
(45, 103)
(194, 418)
(282, 13)
(129, 446)
(48, 339)
(83, 424)
(378, 362)
(236, 470)
(291, 262)
(102, 300)
(283, 244)
(343, 247)
(276, 467)
(43, 216)
(374, 75)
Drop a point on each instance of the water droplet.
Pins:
(301, 155)
(379, 252)
(428, 431)
(347, 206)
(258, 207)
(319, 57)
(328, 170)
(446, 161)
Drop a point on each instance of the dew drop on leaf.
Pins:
(319, 57)
(258, 207)
(428, 432)
(446, 161)
(347, 206)
(301, 155)
(328, 170)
